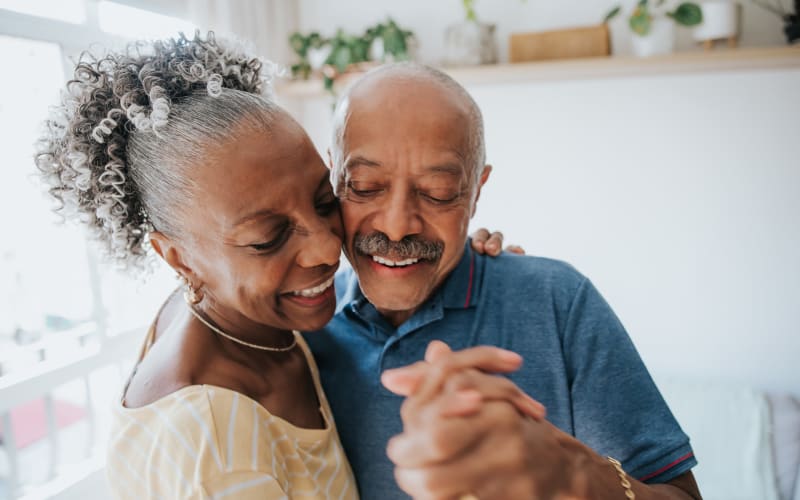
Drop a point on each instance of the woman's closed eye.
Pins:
(327, 205)
(274, 243)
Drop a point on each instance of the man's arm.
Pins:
(494, 451)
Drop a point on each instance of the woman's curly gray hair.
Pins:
(114, 152)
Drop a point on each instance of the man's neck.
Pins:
(397, 318)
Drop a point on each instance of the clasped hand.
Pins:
(467, 431)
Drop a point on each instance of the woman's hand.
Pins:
(463, 378)
(492, 243)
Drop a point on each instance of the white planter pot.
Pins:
(660, 40)
(470, 43)
(720, 20)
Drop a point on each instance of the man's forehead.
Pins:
(452, 165)
(400, 92)
(388, 121)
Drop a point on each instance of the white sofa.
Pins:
(747, 442)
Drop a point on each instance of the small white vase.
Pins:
(660, 40)
(470, 43)
(720, 20)
(317, 56)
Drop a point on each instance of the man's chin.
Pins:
(395, 291)
(390, 302)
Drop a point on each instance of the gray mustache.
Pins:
(410, 247)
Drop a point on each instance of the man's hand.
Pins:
(465, 433)
(492, 243)
(495, 454)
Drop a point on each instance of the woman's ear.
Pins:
(172, 254)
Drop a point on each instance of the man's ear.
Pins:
(172, 254)
(487, 170)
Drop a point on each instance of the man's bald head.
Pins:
(408, 77)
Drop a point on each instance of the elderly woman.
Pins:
(174, 146)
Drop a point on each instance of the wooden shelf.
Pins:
(742, 59)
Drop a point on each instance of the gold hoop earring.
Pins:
(192, 295)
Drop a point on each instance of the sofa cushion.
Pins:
(730, 428)
(786, 437)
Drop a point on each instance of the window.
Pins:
(69, 323)
(138, 23)
(70, 11)
(43, 266)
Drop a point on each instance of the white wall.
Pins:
(679, 196)
(429, 19)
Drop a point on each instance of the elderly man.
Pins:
(408, 164)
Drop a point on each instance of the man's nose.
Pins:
(399, 216)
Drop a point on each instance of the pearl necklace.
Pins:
(216, 330)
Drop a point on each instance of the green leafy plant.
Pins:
(469, 9)
(791, 20)
(300, 45)
(347, 50)
(641, 19)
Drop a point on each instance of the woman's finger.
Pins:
(494, 245)
(479, 238)
(515, 249)
(411, 379)
(490, 388)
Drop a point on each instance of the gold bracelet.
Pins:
(623, 478)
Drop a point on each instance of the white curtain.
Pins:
(266, 24)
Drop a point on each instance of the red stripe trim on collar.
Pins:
(471, 273)
(666, 467)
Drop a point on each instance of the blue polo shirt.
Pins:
(579, 362)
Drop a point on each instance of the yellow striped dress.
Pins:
(204, 441)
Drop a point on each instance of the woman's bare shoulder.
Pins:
(171, 362)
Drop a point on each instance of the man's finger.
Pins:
(440, 443)
(461, 458)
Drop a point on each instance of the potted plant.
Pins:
(346, 52)
(791, 20)
(389, 42)
(652, 25)
(304, 46)
(720, 22)
(470, 42)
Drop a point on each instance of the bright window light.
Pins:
(43, 266)
(70, 11)
(136, 23)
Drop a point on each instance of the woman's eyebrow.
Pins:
(263, 213)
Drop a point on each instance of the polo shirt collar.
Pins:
(459, 289)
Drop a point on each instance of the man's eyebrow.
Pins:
(446, 168)
(360, 161)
